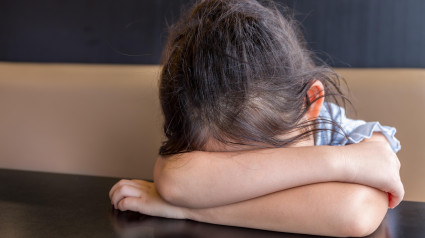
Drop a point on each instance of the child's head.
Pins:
(237, 71)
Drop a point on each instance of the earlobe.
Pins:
(316, 95)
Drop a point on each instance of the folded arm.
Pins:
(332, 209)
(210, 179)
(329, 209)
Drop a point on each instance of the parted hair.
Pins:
(238, 72)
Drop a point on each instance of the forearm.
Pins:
(209, 179)
(332, 209)
(335, 209)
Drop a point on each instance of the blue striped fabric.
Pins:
(356, 130)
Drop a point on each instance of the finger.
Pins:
(121, 183)
(142, 182)
(134, 182)
(390, 200)
(123, 192)
(395, 199)
(130, 204)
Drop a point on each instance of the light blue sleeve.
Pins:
(356, 130)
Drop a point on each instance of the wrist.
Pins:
(190, 213)
(183, 213)
(209, 215)
(338, 162)
(351, 163)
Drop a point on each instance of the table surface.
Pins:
(34, 204)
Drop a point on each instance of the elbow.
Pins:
(166, 189)
(367, 209)
(169, 177)
(165, 182)
(359, 228)
(169, 190)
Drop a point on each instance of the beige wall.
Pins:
(105, 119)
(81, 119)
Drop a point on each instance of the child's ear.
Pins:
(316, 95)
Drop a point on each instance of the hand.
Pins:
(377, 166)
(142, 196)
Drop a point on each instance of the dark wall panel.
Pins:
(372, 33)
(89, 31)
(357, 33)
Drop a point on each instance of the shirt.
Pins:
(349, 131)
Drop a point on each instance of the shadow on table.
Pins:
(132, 224)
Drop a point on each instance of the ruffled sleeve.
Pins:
(355, 130)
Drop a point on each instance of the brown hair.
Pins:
(237, 71)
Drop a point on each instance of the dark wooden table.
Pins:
(34, 204)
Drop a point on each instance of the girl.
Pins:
(251, 124)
